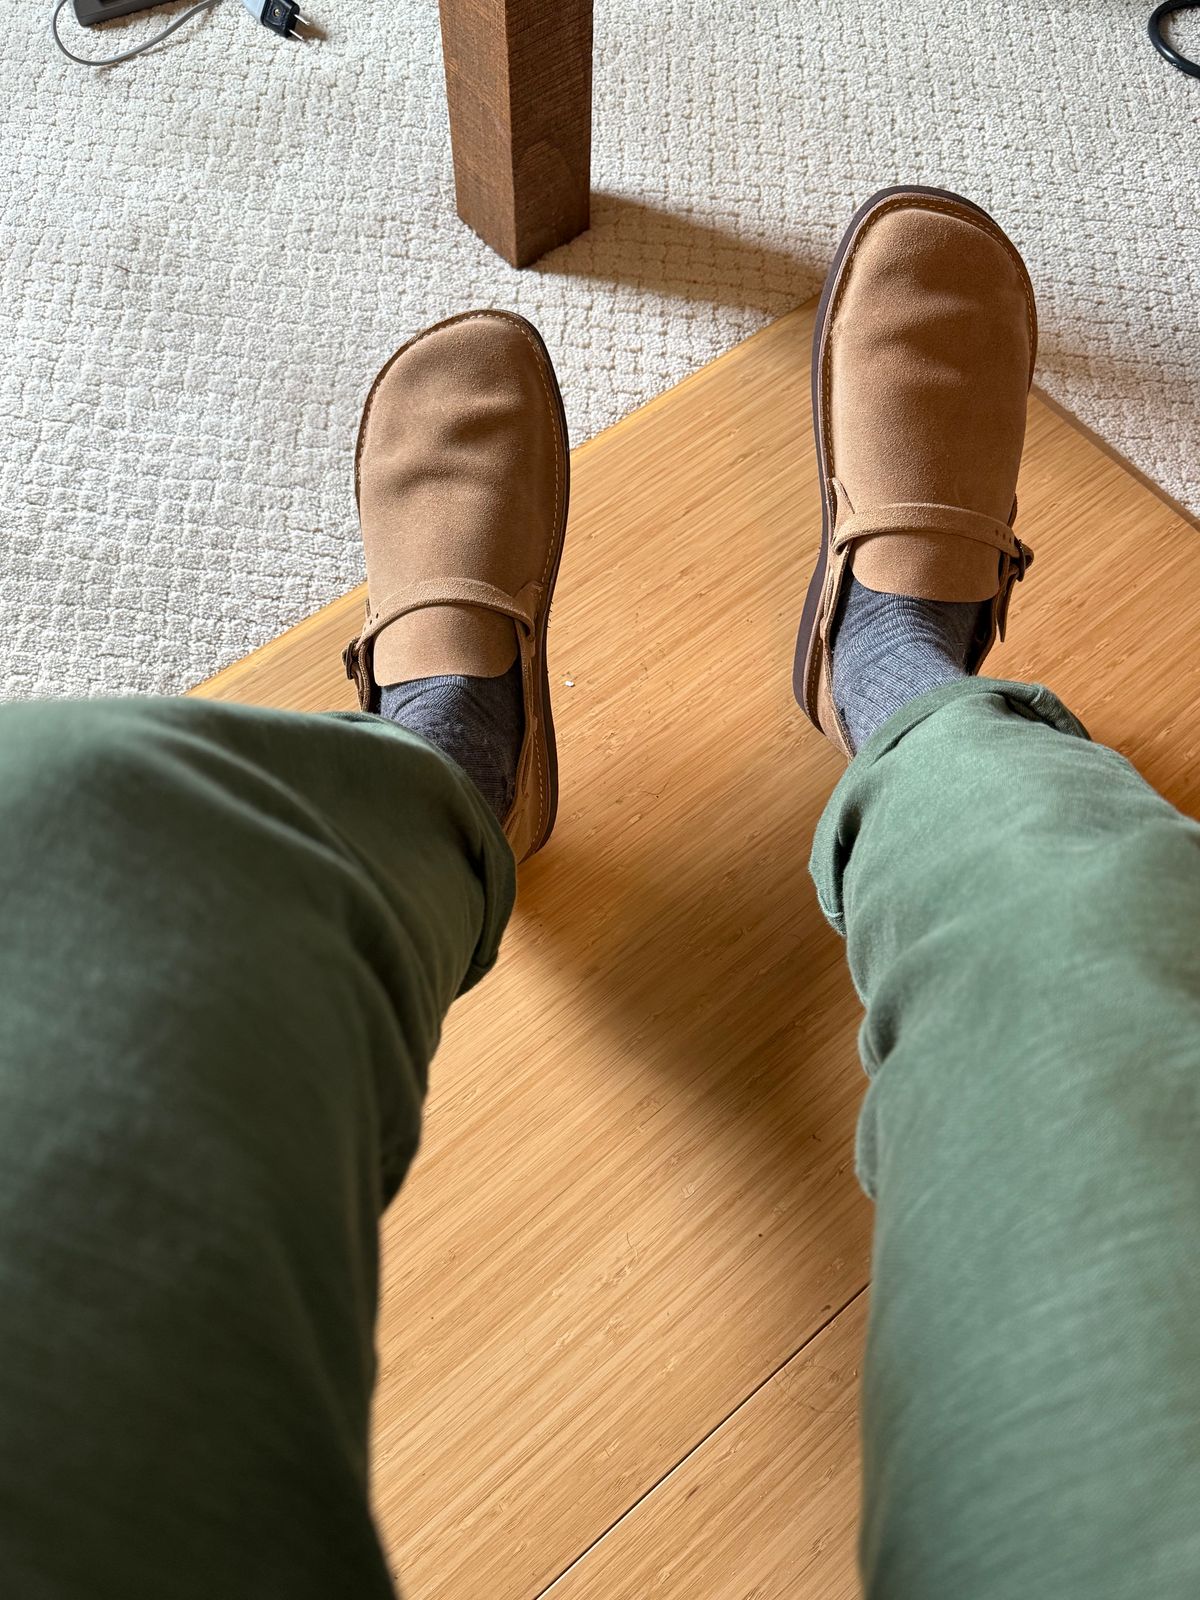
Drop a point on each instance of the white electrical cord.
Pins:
(126, 55)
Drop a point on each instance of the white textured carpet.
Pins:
(206, 254)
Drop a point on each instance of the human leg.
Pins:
(229, 939)
(1020, 910)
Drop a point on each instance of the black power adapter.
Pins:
(89, 12)
(281, 16)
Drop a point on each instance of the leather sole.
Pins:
(546, 720)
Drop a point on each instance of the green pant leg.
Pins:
(1021, 913)
(228, 940)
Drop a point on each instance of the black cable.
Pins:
(1164, 48)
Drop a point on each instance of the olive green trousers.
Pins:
(1022, 915)
(228, 938)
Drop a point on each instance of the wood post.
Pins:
(519, 88)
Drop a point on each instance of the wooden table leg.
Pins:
(519, 87)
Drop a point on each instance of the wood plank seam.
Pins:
(700, 1443)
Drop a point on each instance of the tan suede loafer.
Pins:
(923, 356)
(462, 477)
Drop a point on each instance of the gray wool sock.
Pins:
(478, 722)
(888, 648)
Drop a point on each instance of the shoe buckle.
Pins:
(1020, 563)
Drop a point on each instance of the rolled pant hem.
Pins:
(494, 864)
(830, 852)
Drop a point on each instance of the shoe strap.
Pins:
(922, 517)
(521, 608)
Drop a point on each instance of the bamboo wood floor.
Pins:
(623, 1298)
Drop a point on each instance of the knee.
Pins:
(67, 766)
(1131, 901)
